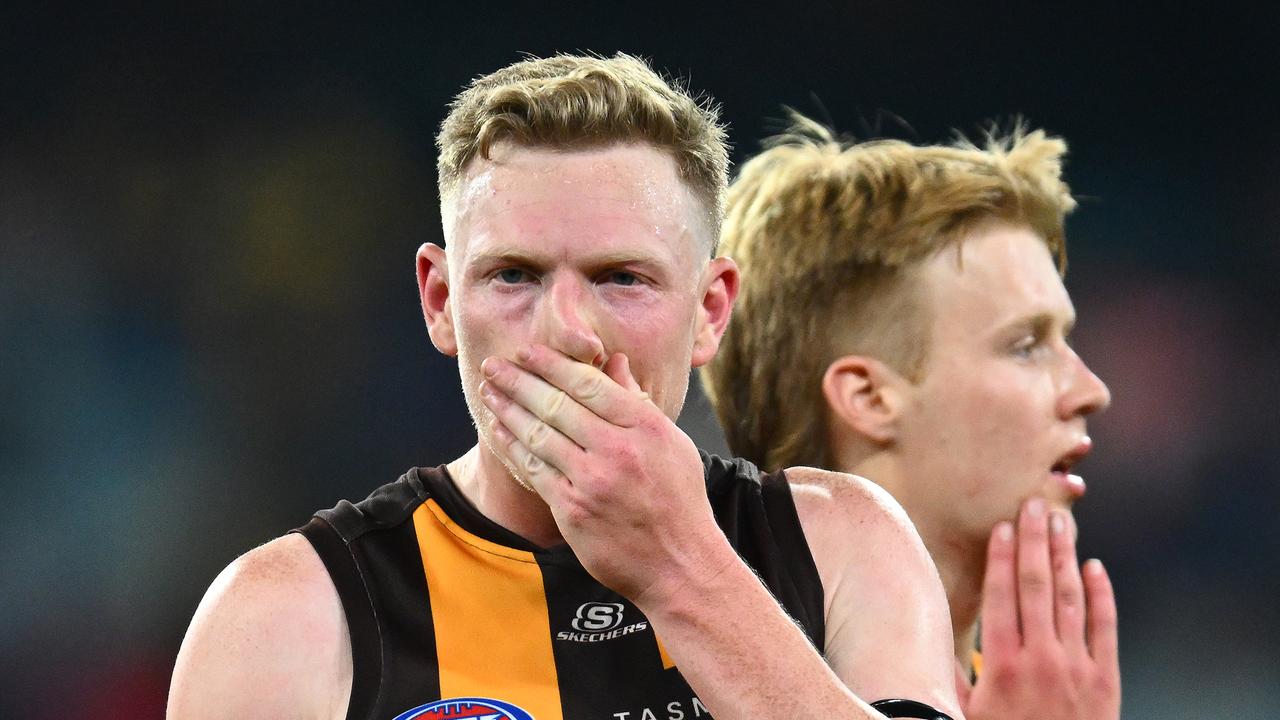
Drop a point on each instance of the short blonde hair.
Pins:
(573, 101)
(828, 235)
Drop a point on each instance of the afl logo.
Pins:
(597, 617)
(465, 708)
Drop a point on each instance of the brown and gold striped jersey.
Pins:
(452, 616)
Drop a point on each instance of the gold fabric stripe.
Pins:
(667, 662)
(493, 631)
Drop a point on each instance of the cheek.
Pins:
(658, 342)
(491, 323)
(980, 440)
(1005, 442)
(660, 327)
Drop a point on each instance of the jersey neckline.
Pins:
(441, 486)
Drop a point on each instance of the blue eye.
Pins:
(1026, 346)
(512, 276)
(622, 278)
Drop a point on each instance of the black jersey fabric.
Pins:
(453, 616)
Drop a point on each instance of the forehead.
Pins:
(617, 196)
(998, 275)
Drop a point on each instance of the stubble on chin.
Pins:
(482, 419)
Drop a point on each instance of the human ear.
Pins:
(720, 281)
(433, 289)
(865, 395)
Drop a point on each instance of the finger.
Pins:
(1068, 591)
(587, 385)
(1000, 638)
(536, 439)
(1035, 585)
(528, 469)
(548, 403)
(1103, 645)
(618, 368)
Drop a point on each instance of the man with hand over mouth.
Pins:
(583, 560)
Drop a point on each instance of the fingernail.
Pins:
(525, 353)
(1035, 507)
(1056, 523)
(1004, 531)
(486, 390)
(489, 367)
(1093, 566)
(500, 431)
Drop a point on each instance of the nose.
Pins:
(566, 320)
(1083, 393)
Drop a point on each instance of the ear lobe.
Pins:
(719, 290)
(433, 290)
(862, 394)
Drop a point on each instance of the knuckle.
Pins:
(1061, 564)
(1048, 671)
(1068, 597)
(533, 464)
(652, 423)
(574, 512)
(1004, 678)
(555, 404)
(619, 449)
(1032, 581)
(589, 386)
(539, 434)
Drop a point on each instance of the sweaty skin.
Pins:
(577, 293)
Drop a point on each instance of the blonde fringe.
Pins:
(818, 223)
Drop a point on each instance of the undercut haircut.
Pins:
(573, 102)
(830, 236)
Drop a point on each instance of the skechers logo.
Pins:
(465, 708)
(597, 621)
(597, 617)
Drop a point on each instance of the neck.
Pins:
(488, 484)
(961, 561)
(961, 567)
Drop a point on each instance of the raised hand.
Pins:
(1048, 629)
(624, 484)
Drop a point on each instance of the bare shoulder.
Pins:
(857, 531)
(831, 505)
(888, 630)
(269, 639)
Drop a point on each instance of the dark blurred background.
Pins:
(209, 325)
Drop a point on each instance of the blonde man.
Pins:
(582, 561)
(902, 318)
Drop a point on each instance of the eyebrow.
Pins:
(613, 259)
(503, 257)
(534, 261)
(1039, 324)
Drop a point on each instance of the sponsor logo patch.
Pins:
(597, 621)
(465, 708)
(597, 617)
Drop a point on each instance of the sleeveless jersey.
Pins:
(452, 616)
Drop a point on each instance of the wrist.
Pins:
(705, 571)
